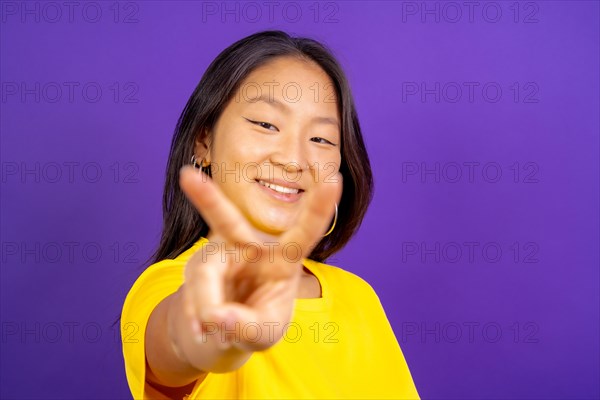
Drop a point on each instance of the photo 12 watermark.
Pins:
(68, 252)
(434, 172)
(469, 252)
(69, 92)
(471, 332)
(252, 12)
(69, 12)
(253, 332)
(470, 92)
(291, 172)
(69, 172)
(470, 12)
(288, 92)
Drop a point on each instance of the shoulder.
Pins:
(158, 281)
(167, 271)
(153, 285)
(340, 274)
(343, 282)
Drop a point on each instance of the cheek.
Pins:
(327, 166)
(233, 155)
(243, 148)
(235, 171)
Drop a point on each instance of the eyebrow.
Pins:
(285, 108)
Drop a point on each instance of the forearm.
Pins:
(175, 355)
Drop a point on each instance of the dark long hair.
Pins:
(182, 224)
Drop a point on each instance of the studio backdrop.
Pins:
(481, 121)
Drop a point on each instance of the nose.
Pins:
(291, 153)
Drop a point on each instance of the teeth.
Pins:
(277, 188)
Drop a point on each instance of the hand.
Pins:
(256, 294)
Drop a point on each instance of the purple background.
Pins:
(519, 324)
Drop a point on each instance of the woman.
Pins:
(238, 303)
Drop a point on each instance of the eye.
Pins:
(265, 125)
(321, 140)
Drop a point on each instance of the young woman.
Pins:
(238, 302)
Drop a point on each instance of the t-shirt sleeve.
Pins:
(155, 284)
(392, 355)
(384, 347)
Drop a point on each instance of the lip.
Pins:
(285, 197)
(282, 182)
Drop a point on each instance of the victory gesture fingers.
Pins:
(259, 286)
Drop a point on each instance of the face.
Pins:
(275, 140)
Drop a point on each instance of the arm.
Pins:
(175, 358)
(225, 291)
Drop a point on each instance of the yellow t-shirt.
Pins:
(338, 346)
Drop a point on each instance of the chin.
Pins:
(273, 226)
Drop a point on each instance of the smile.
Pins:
(280, 189)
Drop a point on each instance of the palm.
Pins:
(256, 291)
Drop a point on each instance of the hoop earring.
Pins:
(194, 162)
(334, 221)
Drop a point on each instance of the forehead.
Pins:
(283, 69)
(290, 80)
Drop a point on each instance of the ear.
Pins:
(202, 147)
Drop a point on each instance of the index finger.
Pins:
(218, 211)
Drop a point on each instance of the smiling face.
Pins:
(277, 137)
